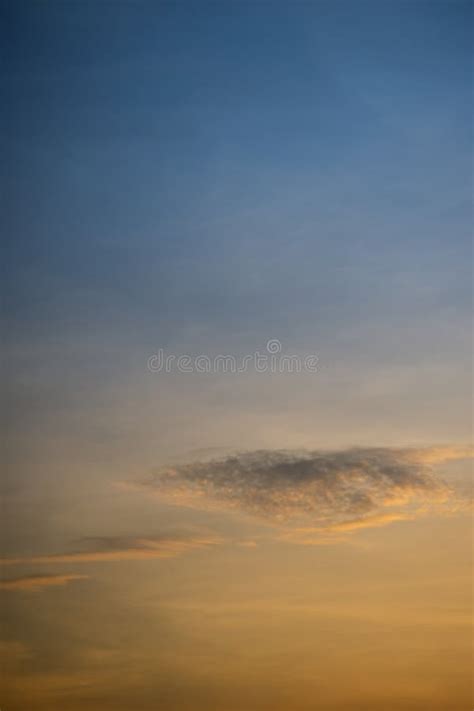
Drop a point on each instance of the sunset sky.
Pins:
(223, 179)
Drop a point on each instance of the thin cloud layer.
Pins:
(111, 549)
(36, 583)
(336, 491)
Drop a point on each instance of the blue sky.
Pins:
(203, 177)
(236, 157)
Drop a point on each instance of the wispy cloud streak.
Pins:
(112, 549)
(36, 583)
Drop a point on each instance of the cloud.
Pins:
(36, 583)
(111, 549)
(441, 454)
(318, 491)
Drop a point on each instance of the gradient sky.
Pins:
(202, 177)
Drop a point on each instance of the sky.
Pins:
(219, 181)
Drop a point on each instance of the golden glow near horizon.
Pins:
(245, 612)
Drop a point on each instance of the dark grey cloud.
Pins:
(311, 488)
